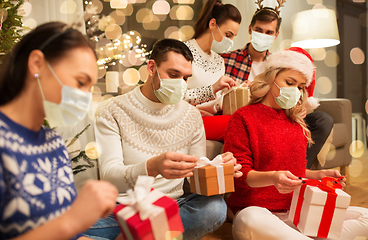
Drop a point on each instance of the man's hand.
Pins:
(172, 165)
(223, 82)
(229, 159)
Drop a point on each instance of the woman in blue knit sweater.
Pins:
(49, 73)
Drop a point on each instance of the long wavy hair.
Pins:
(261, 85)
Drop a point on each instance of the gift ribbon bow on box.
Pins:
(327, 184)
(216, 162)
(141, 201)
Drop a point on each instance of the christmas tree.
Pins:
(10, 24)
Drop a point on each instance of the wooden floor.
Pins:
(357, 188)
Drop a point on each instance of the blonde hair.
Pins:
(262, 85)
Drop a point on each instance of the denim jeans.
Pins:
(200, 215)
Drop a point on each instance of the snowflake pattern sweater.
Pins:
(36, 179)
(264, 139)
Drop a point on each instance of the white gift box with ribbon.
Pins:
(148, 214)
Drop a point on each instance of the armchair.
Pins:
(335, 152)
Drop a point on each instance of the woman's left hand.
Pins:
(229, 159)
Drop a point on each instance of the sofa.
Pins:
(335, 152)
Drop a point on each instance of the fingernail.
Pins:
(300, 178)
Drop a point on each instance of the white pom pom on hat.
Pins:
(291, 60)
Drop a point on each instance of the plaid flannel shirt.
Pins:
(238, 64)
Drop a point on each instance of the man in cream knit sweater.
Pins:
(152, 131)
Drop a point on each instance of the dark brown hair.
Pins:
(266, 14)
(215, 9)
(164, 46)
(53, 39)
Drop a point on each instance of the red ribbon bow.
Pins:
(327, 184)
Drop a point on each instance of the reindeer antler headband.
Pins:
(275, 10)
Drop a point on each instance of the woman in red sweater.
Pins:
(269, 139)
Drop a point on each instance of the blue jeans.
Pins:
(200, 215)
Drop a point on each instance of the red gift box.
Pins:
(164, 221)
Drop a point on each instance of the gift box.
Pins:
(318, 208)
(235, 99)
(147, 214)
(212, 177)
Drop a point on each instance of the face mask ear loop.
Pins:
(39, 84)
(53, 73)
(160, 88)
(276, 86)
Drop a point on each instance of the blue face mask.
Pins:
(74, 105)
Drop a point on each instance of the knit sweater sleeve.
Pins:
(237, 141)
(111, 160)
(198, 144)
(199, 95)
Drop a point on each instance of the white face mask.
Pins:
(288, 97)
(171, 91)
(261, 42)
(73, 107)
(223, 46)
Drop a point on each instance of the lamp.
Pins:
(316, 28)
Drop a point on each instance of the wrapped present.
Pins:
(318, 208)
(147, 214)
(235, 99)
(212, 177)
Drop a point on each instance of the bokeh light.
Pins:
(143, 73)
(139, 57)
(118, 16)
(173, 12)
(124, 60)
(151, 25)
(105, 22)
(30, 23)
(357, 55)
(144, 15)
(318, 54)
(187, 31)
(118, 4)
(170, 30)
(91, 150)
(356, 149)
(324, 85)
(184, 1)
(332, 58)
(355, 168)
(359, 1)
(184, 13)
(131, 76)
(68, 7)
(113, 31)
(161, 7)
(128, 10)
(96, 5)
(25, 9)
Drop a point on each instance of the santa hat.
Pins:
(298, 59)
